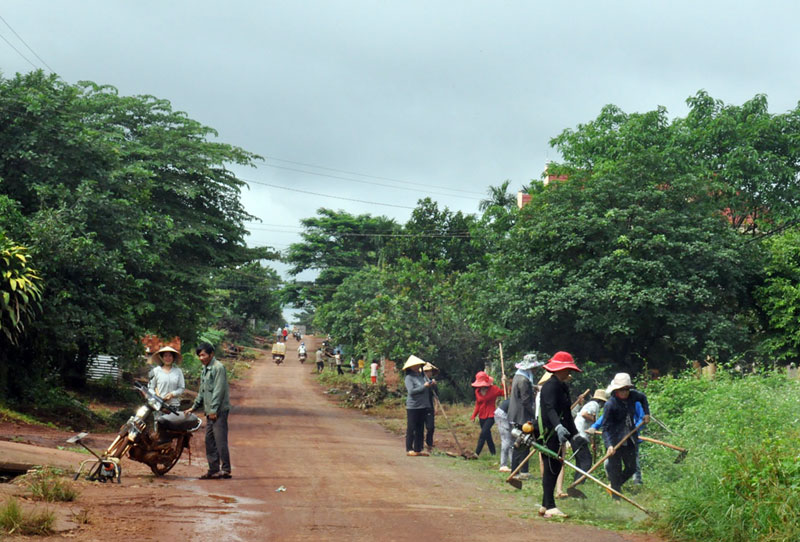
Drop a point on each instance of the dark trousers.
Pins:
(415, 425)
(339, 370)
(517, 456)
(552, 467)
(583, 455)
(621, 466)
(429, 427)
(217, 443)
(485, 436)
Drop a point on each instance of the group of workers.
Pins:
(542, 407)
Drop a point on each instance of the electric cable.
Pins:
(370, 176)
(368, 182)
(464, 234)
(18, 52)
(26, 45)
(325, 195)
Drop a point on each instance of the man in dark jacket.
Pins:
(555, 424)
(618, 420)
(520, 406)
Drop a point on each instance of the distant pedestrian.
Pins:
(486, 394)
(320, 361)
(338, 358)
(214, 398)
(373, 371)
(417, 403)
(430, 371)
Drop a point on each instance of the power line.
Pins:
(258, 223)
(370, 176)
(26, 45)
(327, 195)
(464, 234)
(18, 52)
(367, 182)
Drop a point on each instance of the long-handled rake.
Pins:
(585, 474)
(681, 455)
(465, 454)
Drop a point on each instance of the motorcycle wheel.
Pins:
(161, 468)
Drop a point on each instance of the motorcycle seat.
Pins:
(178, 422)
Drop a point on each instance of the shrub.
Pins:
(741, 481)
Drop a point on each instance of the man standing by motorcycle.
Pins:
(214, 398)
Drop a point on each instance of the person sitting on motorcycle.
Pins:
(166, 379)
(301, 350)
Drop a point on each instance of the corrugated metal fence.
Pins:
(102, 366)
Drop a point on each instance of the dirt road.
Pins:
(345, 478)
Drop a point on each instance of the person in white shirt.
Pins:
(583, 421)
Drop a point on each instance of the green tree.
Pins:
(20, 291)
(437, 235)
(335, 244)
(630, 260)
(128, 209)
(779, 298)
(247, 293)
(408, 308)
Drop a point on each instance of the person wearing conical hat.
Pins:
(583, 420)
(430, 371)
(619, 417)
(166, 378)
(417, 403)
(556, 425)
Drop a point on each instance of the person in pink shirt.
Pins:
(486, 394)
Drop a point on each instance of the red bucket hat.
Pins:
(560, 362)
(482, 379)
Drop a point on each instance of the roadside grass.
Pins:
(14, 520)
(47, 484)
(9, 415)
(740, 481)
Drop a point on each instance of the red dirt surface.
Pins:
(345, 478)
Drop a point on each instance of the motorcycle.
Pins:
(160, 449)
(278, 352)
(302, 356)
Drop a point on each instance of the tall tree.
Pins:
(335, 244)
(127, 207)
(437, 235)
(630, 260)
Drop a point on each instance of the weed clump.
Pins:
(13, 520)
(47, 485)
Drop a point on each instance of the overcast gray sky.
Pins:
(450, 97)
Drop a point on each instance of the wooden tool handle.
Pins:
(668, 445)
(606, 456)
(521, 464)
